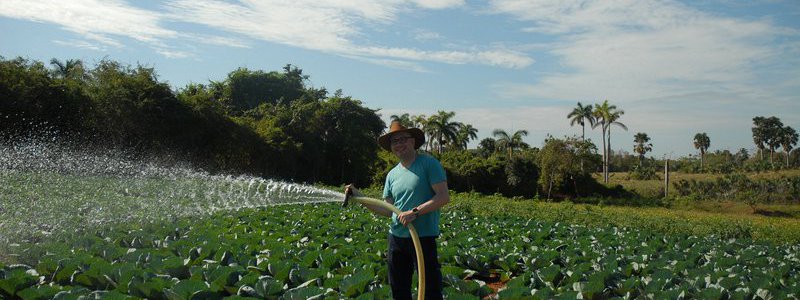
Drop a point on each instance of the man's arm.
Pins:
(440, 198)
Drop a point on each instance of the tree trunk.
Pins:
(666, 178)
(771, 154)
(605, 156)
(575, 184)
(787, 158)
(583, 132)
(608, 159)
(702, 157)
(549, 188)
(583, 139)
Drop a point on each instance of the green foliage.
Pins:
(559, 172)
(31, 97)
(644, 172)
(306, 251)
(254, 122)
(245, 89)
(742, 188)
(469, 171)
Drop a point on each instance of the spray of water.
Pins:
(48, 190)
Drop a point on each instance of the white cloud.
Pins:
(439, 4)
(81, 44)
(392, 63)
(170, 53)
(426, 35)
(331, 27)
(217, 40)
(95, 20)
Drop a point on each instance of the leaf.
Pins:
(517, 293)
(551, 274)
(184, 289)
(39, 292)
(304, 293)
(356, 284)
(152, 287)
(280, 270)
(269, 288)
(17, 279)
(523, 281)
(74, 293)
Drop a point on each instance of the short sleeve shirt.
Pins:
(410, 187)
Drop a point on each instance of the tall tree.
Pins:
(404, 120)
(466, 133)
(606, 115)
(443, 129)
(759, 135)
(581, 115)
(788, 140)
(509, 143)
(612, 121)
(68, 69)
(642, 145)
(702, 142)
(773, 128)
(487, 147)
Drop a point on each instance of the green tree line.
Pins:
(262, 123)
(273, 124)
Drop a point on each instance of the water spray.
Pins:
(414, 237)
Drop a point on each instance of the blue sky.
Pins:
(675, 68)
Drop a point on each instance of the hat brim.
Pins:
(419, 138)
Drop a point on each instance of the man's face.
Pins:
(402, 144)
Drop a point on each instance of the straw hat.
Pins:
(396, 127)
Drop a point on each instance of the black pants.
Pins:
(403, 261)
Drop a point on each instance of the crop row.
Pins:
(322, 251)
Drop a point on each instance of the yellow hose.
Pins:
(414, 237)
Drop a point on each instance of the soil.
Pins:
(492, 280)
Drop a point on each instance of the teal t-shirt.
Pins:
(410, 187)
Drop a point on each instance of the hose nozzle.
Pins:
(347, 196)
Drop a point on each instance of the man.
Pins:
(418, 187)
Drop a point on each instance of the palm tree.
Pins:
(404, 119)
(67, 69)
(466, 133)
(642, 145)
(606, 115)
(702, 142)
(509, 142)
(788, 140)
(615, 115)
(759, 135)
(773, 127)
(581, 115)
(421, 122)
(442, 129)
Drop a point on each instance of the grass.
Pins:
(722, 219)
(655, 188)
(656, 219)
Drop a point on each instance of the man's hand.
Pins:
(407, 217)
(353, 189)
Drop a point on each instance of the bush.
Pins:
(643, 173)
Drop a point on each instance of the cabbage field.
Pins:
(91, 226)
(323, 251)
